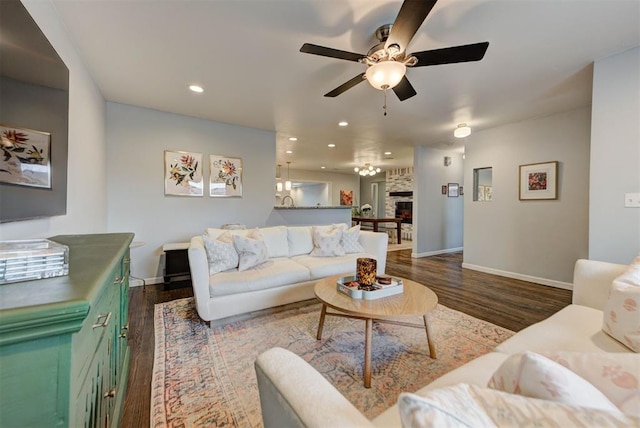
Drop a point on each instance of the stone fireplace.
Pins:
(399, 198)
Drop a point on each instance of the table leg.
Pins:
(367, 354)
(399, 232)
(321, 323)
(375, 226)
(432, 346)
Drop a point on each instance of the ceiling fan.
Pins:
(388, 60)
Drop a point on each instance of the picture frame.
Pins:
(538, 181)
(488, 193)
(452, 190)
(25, 157)
(346, 197)
(183, 173)
(461, 191)
(225, 179)
(481, 194)
(444, 189)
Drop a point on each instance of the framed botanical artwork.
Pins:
(183, 174)
(488, 193)
(538, 181)
(481, 194)
(226, 176)
(25, 157)
(452, 190)
(346, 197)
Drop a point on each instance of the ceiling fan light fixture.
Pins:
(385, 74)
(462, 131)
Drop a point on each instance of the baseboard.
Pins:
(137, 282)
(522, 277)
(435, 253)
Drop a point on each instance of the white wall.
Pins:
(86, 177)
(534, 240)
(137, 138)
(614, 231)
(437, 219)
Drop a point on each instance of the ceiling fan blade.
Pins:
(411, 16)
(345, 86)
(465, 53)
(404, 89)
(330, 52)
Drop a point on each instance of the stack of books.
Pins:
(32, 259)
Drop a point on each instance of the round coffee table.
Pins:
(416, 299)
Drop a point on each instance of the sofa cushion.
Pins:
(300, 240)
(252, 250)
(472, 406)
(351, 239)
(573, 328)
(622, 309)
(321, 267)
(214, 232)
(326, 242)
(276, 240)
(534, 375)
(221, 253)
(273, 273)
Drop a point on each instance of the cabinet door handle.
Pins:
(105, 321)
(126, 260)
(119, 280)
(123, 335)
(110, 393)
(126, 326)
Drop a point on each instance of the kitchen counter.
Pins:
(313, 207)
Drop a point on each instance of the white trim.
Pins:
(522, 277)
(435, 253)
(137, 283)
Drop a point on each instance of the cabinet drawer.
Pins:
(102, 315)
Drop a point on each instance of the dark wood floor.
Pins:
(509, 303)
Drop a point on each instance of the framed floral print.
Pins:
(25, 157)
(538, 181)
(183, 174)
(226, 176)
(346, 197)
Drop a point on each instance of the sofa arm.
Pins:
(294, 394)
(592, 280)
(376, 243)
(199, 267)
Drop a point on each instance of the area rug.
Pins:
(205, 376)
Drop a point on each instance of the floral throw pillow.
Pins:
(326, 242)
(533, 375)
(622, 309)
(252, 251)
(221, 254)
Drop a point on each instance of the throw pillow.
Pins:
(350, 239)
(622, 310)
(252, 251)
(221, 254)
(326, 242)
(275, 238)
(465, 405)
(534, 375)
(300, 240)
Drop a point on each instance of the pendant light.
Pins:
(278, 178)
(287, 184)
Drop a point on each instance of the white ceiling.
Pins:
(245, 53)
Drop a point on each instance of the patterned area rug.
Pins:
(205, 377)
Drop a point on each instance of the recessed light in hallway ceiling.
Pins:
(196, 88)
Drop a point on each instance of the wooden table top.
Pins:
(416, 299)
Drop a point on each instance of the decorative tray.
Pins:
(32, 259)
(349, 286)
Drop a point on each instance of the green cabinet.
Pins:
(64, 357)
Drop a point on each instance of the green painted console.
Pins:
(64, 356)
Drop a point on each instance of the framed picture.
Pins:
(488, 193)
(226, 176)
(452, 190)
(461, 191)
(25, 157)
(444, 189)
(183, 174)
(538, 181)
(346, 197)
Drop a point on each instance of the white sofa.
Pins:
(288, 276)
(292, 393)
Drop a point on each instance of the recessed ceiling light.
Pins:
(196, 88)
(387, 153)
(322, 167)
(331, 145)
(293, 139)
(289, 152)
(343, 123)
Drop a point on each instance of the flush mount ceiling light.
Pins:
(462, 131)
(196, 88)
(367, 169)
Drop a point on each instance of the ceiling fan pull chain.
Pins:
(384, 107)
